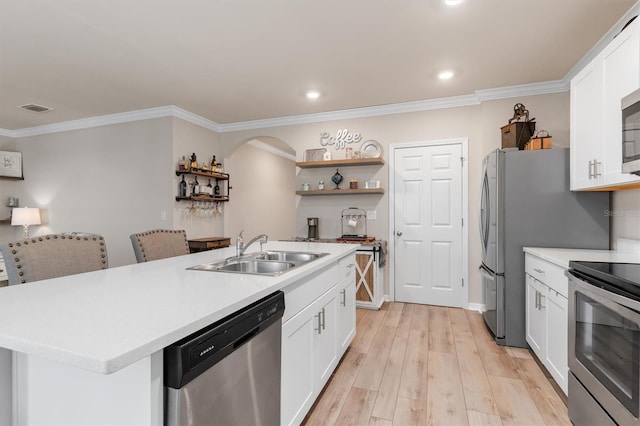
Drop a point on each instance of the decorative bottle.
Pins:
(194, 163)
(213, 164)
(216, 190)
(182, 189)
(196, 187)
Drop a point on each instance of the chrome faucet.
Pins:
(241, 247)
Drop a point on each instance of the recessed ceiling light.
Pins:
(313, 94)
(445, 75)
(453, 2)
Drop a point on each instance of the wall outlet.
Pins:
(371, 214)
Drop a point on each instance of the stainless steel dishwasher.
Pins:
(229, 372)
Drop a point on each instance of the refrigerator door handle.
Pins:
(486, 273)
(485, 213)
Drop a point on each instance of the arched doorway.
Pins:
(263, 180)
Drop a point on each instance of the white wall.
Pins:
(625, 215)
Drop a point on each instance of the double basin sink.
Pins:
(271, 263)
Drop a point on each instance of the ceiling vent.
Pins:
(36, 108)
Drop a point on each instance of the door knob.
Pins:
(399, 233)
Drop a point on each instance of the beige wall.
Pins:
(8, 188)
(263, 199)
(111, 180)
(120, 179)
(480, 124)
(189, 138)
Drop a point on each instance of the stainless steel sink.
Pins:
(257, 267)
(270, 263)
(290, 256)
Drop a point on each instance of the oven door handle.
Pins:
(623, 306)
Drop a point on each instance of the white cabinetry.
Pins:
(319, 325)
(596, 120)
(546, 316)
(346, 304)
(535, 314)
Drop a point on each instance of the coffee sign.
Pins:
(342, 138)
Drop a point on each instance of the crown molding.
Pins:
(266, 147)
(105, 120)
(476, 98)
(373, 111)
(185, 115)
(533, 89)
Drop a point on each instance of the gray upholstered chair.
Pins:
(54, 255)
(159, 244)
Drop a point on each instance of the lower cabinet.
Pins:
(346, 311)
(369, 279)
(547, 316)
(313, 341)
(557, 338)
(536, 327)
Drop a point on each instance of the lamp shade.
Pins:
(25, 216)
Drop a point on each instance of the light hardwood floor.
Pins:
(429, 365)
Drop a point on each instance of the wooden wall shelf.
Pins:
(205, 173)
(202, 198)
(340, 163)
(342, 191)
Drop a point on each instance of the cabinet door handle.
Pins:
(537, 299)
(323, 319)
(542, 306)
(590, 169)
(344, 297)
(319, 329)
(540, 271)
(351, 265)
(595, 168)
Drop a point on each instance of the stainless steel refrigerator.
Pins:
(525, 201)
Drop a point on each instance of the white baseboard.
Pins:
(480, 307)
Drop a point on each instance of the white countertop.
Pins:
(561, 257)
(106, 320)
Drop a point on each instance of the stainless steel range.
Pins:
(604, 343)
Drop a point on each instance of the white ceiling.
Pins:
(231, 61)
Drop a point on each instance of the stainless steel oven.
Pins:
(604, 343)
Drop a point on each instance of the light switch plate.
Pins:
(371, 214)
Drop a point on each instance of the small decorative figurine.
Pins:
(337, 179)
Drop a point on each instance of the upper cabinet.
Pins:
(596, 119)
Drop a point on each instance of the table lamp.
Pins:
(25, 216)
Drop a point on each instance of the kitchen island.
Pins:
(88, 347)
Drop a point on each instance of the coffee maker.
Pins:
(314, 234)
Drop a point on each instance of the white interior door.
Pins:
(428, 199)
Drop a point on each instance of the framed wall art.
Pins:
(11, 164)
